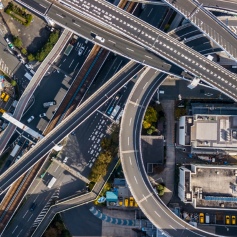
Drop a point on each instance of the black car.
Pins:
(33, 206)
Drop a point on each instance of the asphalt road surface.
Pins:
(131, 158)
(68, 125)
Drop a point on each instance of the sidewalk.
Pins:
(169, 168)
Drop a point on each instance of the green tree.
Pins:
(17, 42)
(149, 131)
(24, 51)
(161, 189)
(31, 57)
(13, 83)
(150, 117)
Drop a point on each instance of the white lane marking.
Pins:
(42, 5)
(172, 227)
(56, 168)
(30, 217)
(130, 122)
(64, 60)
(145, 198)
(157, 213)
(14, 229)
(148, 57)
(71, 63)
(128, 140)
(25, 213)
(135, 179)
(130, 49)
(19, 233)
(112, 41)
(76, 24)
(130, 160)
(145, 85)
(59, 15)
(36, 197)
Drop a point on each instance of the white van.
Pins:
(207, 218)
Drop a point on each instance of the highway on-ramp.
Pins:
(131, 159)
(85, 110)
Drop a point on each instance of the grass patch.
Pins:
(19, 14)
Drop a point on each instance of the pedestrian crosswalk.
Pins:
(4, 68)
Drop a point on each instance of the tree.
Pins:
(24, 51)
(150, 117)
(31, 57)
(51, 232)
(17, 42)
(161, 189)
(149, 131)
(13, 83)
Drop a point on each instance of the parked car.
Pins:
(42, 115)
(201, 218)
(80, 51)
(47, 104)
(233, 220)
(227, 220)
(65, 159)
(30, 119)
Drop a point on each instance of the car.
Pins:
(28, 66)
(117, 96)
(8, 41)
(42, 115)
(30, 119)
(201, 218)
(80, 51)
(101, 39)
(50, 103)
(227, 220)
(65, 159)
(233, 220)
(33, 206)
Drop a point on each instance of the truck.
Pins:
(115, 111)
(15, 150)
(28, 76)
(52, 182)
(68, 50)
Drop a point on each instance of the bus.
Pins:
(51, 182)
(15, 150)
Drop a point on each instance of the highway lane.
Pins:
(221, 4)
(158, 42)
(114, 42)
(152, 39)
(131, 158)
(85, 110)
(208, 23)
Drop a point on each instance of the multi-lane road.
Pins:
(208, 24)
(67, 126)
(132, 162)
(152, 40)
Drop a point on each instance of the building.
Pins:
(209, 134)
(152, 151)
(208, 187)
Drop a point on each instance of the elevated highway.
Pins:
(194, 11)
(132, 162)
(80, 114)
(153, 40)
(111, 22)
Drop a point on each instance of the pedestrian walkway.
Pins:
(168, 173)
(112, 220)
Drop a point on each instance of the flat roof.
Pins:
(206, 131)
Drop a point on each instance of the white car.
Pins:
(80, 51)
(101, 39)
(42, 115)
(30, 119)
(65, 159)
